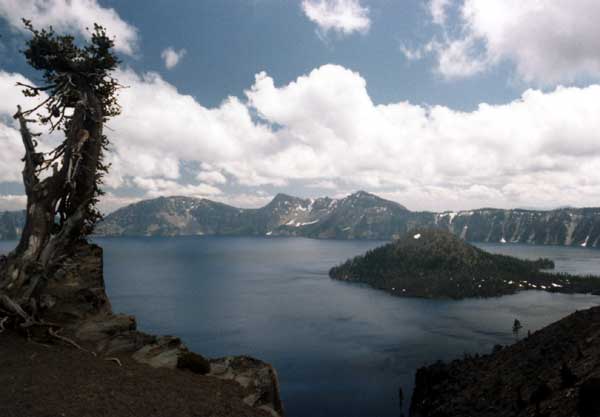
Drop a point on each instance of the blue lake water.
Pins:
(340, 349)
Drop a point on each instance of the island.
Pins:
(434, 263)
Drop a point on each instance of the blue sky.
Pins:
(437, 104)
(228, 42)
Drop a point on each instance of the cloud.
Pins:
(323, 184)
(342, 16)
(69, 16)
(157, 187)
(541, 138)
(159, 127)
(548, 41)
(10, 138)
(412, 54)
(12, 202)
(11, 94)
(172, 57)
(12, 152)
(323, 131)
(437, 9)
(458, 58)
(109, 202)
(246, 200)
(211, 177)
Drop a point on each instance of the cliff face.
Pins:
(357, 216)
(75, 297)
(568, 227)
(555, 372)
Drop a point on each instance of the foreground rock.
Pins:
(433, 263)
(555, 372)
(75, 297)
(57, 380)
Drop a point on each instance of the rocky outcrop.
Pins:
(258, 379)
(76, 298)
(554, 372)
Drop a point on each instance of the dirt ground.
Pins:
(57, 380)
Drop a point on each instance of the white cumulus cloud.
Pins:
(323, 132)
(159, 127)
(71, 15)
(549, 41)
(10, 138)
(171, 57)
(157, 187)
(341, 16)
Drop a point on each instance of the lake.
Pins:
(340, 349)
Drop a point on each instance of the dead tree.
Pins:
(77, 96)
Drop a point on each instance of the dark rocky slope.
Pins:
(434, 263)
(555, 372)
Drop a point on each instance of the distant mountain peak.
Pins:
(360, 215)
(366, 197)
(284, 197)
(362, 194)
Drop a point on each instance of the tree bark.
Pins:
(57, 206)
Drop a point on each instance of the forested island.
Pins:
(434, 263)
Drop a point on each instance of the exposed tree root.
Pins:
(115, 360)
(16, 309)
(4, 319)
(40, 343)
(12, 308)
(69, 341)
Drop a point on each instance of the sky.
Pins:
(436, 104)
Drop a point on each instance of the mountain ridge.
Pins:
(360, 215)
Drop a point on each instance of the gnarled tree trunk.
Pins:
(58, 207)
